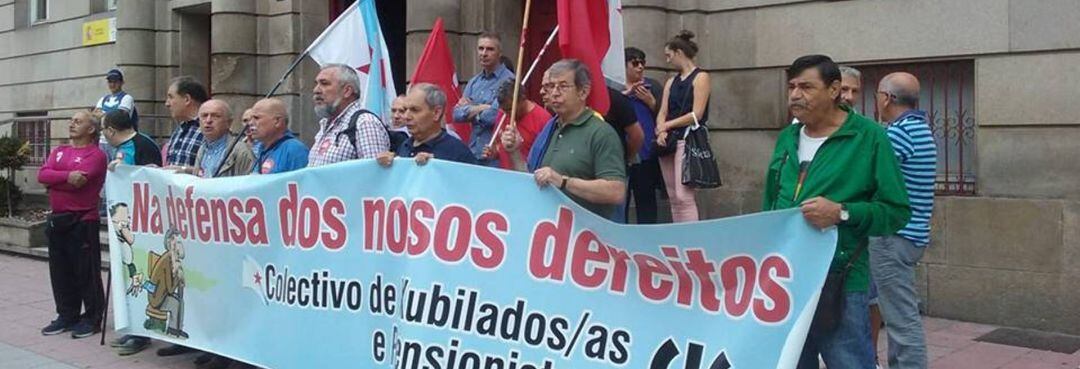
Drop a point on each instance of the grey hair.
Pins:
(433, 95)
(225, 104)
(92, 118)
(582, 76)
(850, 72)
(346, 76)
(902, 96)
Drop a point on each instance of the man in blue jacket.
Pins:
(278, 149)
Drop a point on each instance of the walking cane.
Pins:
(105, 309)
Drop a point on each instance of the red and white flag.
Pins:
(355, 39)
(436, 66)
(591, 31)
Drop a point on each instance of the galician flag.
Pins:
(355, 39)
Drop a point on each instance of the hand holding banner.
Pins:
(409, 270)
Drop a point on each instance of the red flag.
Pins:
(436, 66)
(584, 35)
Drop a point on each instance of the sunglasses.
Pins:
(637, 63)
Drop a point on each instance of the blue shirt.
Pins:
(482, 89)
(213, 153)
(647, 117)
(285, 155)
(443, 147)
(913, 142)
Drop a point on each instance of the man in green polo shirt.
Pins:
(578, 152)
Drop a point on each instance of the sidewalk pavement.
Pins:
(26, 305)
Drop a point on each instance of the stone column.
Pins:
(234, 54)
(135, 55)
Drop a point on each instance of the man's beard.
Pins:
(326, 111)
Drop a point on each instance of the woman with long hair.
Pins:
(685, 95)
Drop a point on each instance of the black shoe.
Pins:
(218, 362)
(204, 358)
(133, 345)
(83, 329)
(176, 333)
(57, 326)
(174, 350)
(120, 341)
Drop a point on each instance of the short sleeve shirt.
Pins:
(140, 149)
(587, 148)
(620, 114)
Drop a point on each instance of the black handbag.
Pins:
(699, 168)
(671, 143)
(830, 308)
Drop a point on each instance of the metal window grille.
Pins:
(948, 98)
(36, 131)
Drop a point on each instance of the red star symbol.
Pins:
(257, 277)
(366, 68)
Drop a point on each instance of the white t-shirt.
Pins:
(808, 146)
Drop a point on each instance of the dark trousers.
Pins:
(75, 271)
(645, 180)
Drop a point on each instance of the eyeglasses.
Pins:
(637, 63)
(548, 88)
(888, 95)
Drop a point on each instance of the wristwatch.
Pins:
(844, 215)
(565, 180)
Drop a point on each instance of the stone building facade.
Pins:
(238, 48)
(1000, 77)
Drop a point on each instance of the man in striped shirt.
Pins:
(893, 258)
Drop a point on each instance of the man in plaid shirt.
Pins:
(183, 99)
(337, 101)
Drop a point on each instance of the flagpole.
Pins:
(540, 55)
(520, 59)
(243, 130)
(528, 74)
(292, 67)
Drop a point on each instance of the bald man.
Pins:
(279, 149)
(220, 155)
(893, 258)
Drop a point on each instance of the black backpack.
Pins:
(396, 137)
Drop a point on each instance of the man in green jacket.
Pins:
(838, 167)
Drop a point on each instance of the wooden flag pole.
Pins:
(520, 59)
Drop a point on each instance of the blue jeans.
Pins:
(892, 264)
(848, 345)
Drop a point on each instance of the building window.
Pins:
(33, 127)
(948, 98)
(39, 10)
(110, 4)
